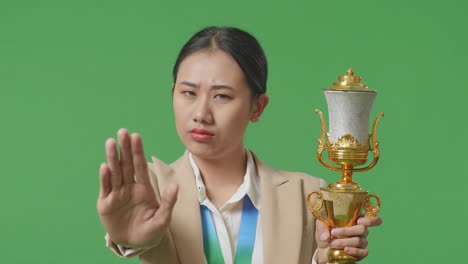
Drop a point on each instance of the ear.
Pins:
(259, 105)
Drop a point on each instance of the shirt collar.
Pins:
(250, 186)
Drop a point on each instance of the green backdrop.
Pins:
(73, 72)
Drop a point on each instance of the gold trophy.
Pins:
(348, 143)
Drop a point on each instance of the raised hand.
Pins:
(127, 204)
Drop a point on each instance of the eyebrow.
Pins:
(213, 87)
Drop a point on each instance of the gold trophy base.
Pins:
(338, 256)
(342, 207)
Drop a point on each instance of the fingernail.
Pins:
(360, 221)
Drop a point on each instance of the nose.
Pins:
(202, 111)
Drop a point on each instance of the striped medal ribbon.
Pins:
(245, 242)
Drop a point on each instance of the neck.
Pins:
(222, 176)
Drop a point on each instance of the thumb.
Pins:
(168, 201)
(323, 237)
(322, 234)
(169, 197)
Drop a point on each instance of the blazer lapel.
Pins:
(186, 227)
(282, 215)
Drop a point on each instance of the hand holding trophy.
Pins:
(348, 143)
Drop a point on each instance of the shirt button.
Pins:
(201, 194)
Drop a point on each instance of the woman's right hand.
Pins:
(127, 204)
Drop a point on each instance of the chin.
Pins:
(201, 150)
(204, 153)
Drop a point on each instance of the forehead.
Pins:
(211, 67)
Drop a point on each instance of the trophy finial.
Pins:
(349, 82)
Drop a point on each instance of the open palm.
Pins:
(127, 204)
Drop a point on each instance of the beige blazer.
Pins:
(288, 227)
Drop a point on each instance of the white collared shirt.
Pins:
(227, 218)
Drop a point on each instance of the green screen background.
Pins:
(73, 72)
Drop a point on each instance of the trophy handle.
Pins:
(316, 205)
(374, 145)
(369, 207)
(321, 143)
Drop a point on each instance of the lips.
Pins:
(199, 134)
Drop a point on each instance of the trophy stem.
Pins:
(346, 182)
(347, 174)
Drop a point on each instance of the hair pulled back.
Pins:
(241, 45)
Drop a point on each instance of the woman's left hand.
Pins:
(353, 239)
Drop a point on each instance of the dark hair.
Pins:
(242, 46)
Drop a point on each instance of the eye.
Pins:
(188, 93)
(222, 97)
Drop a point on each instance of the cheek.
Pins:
(236, 120)
(178, 115)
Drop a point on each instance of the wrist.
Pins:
(321, 256)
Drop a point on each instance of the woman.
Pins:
(220, 203)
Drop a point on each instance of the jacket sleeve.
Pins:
(121, 251)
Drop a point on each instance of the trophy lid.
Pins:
(349, 82)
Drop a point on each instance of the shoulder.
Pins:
(161, 169)
(162, 174)
(307, 179)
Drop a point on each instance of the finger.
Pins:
(113, 163)
(322, 234)
(104, 177)
(341, 243)
(139, 161)
(370, 221)
(168, 200)
(360, 253)
(356, 230)
(126, 164)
